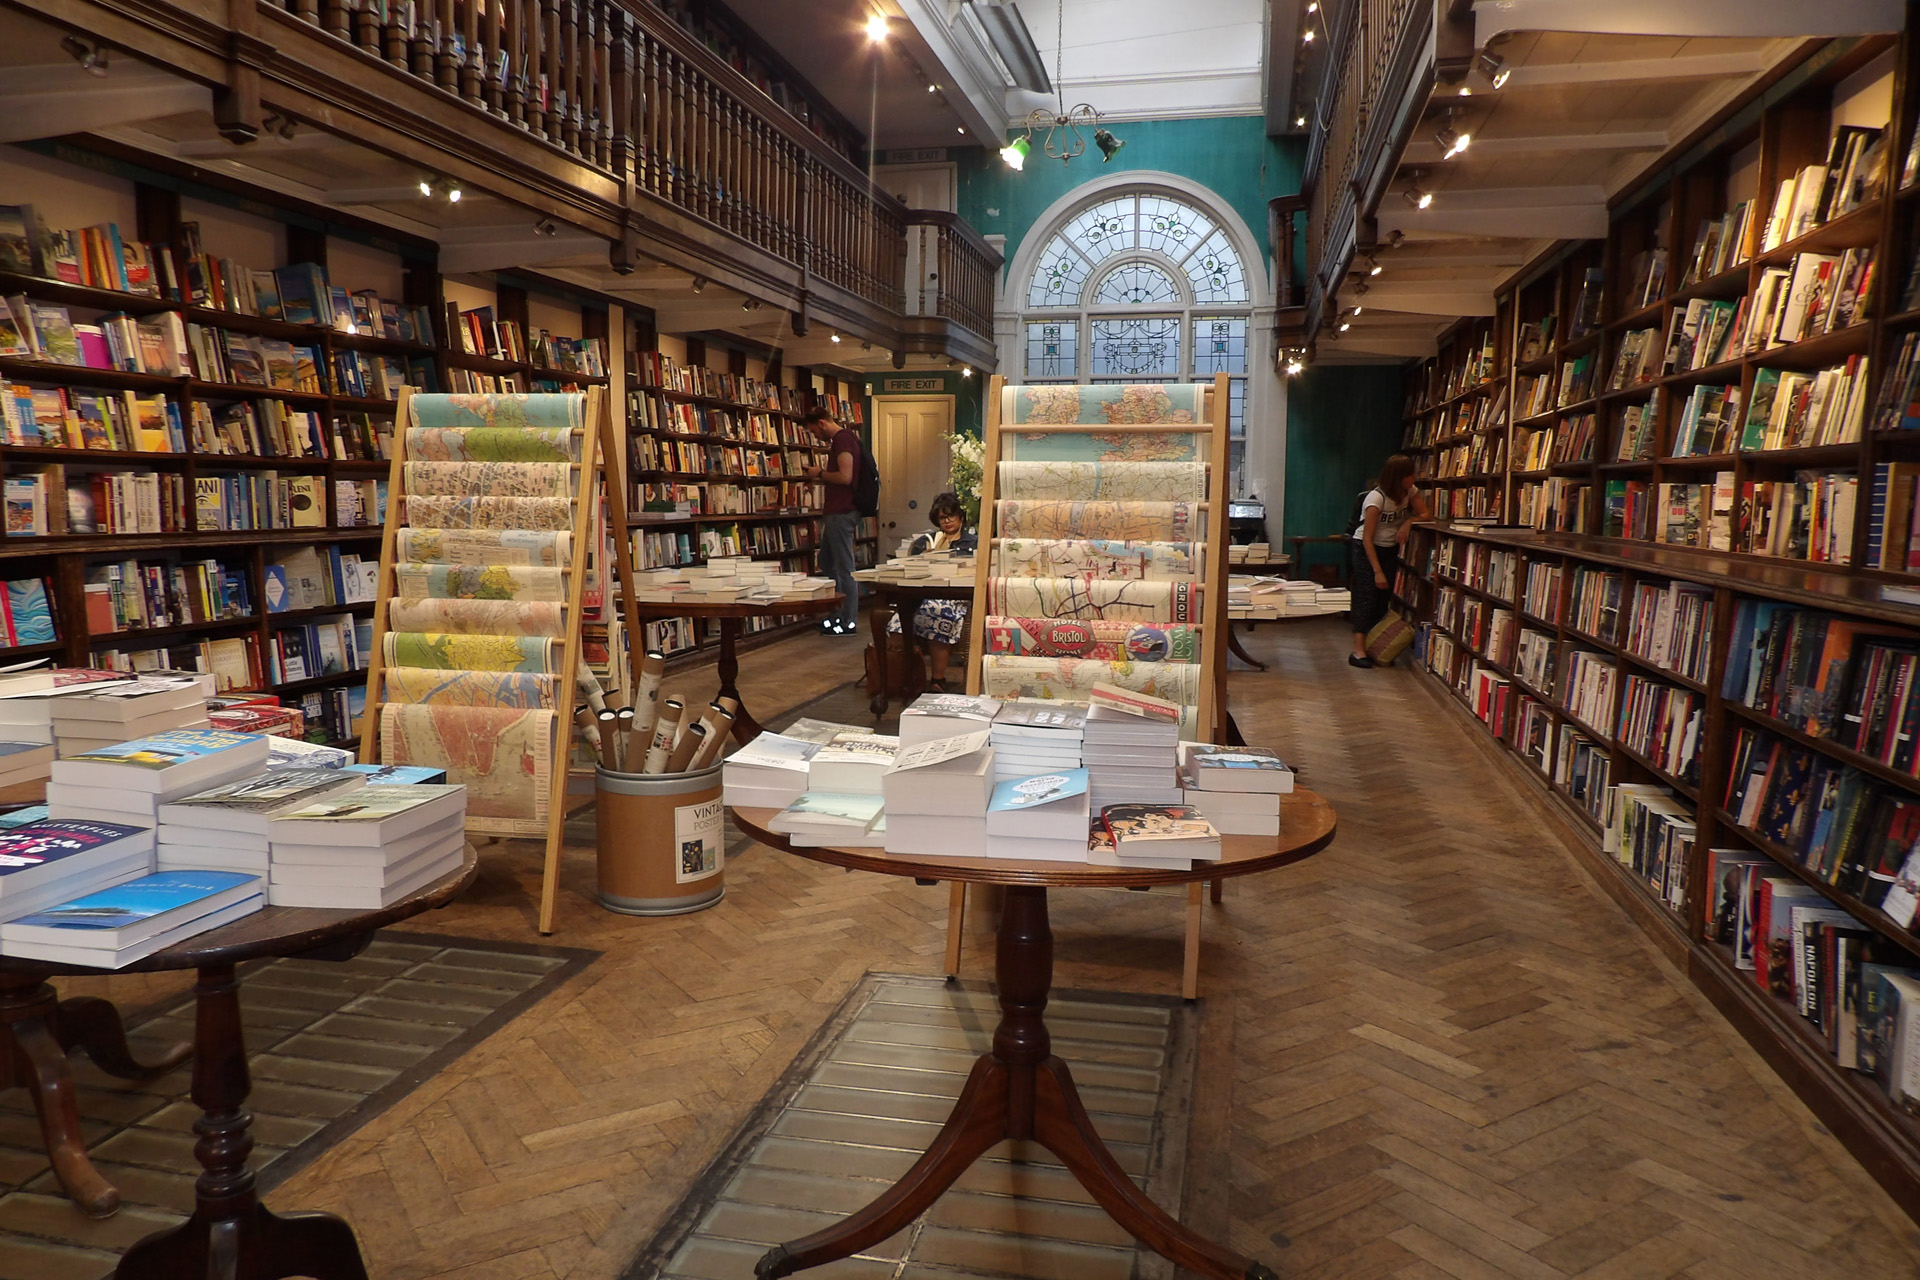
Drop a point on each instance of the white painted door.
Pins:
(920, 186)
(916, 466)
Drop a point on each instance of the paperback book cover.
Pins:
(827, 808)
(1114, 698)
(165, 750)
(270, 791)
(1155, 823)
(127, 904)
(369, 804)
(400, 775)
(1022, 794)
(24, 849)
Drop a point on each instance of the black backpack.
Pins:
(1359, 512)
(866, 483)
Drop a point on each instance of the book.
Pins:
(1161, 830)
(942, 715)
(47, 851)
(819, 812)
(399, 775)
(852, 763)
(769, 772)
(367, 817)
(1108, 697)
(951, 776)
(132, 912)
(1238, 813)
(244, 806)
(166, 763)
(1050, 806)
(365, 889)
(1217, 768)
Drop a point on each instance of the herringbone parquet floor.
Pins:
(1434, 1051)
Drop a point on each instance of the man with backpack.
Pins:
(853, 490)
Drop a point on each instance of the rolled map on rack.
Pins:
(502, 755)
(519, 548)
(1100, 557)
(469, 688)
(1072, 679)
(439, 511)
(503, 583)
(514, 410)
(437, 650)
(1104, 481)
(493, 444)
(1086, 599)
(1140, 404)
(1140, 521)
(1109, 641)
(478, 617)
(489, 479)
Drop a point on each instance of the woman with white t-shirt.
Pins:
(1387, 513)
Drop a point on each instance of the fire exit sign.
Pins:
(900, 386)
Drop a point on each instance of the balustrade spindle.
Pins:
(620, 101)
(492, 63)
(605, 122)
(338, 20)
(368, 33)
(422, 27)
(550, 91)
(569, 75)
(308, 10)
(446, 71)
(473, 54)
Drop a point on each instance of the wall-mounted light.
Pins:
(877, 28)
(1415, 196)
(90, 54)
(1493, 67)
(1295, 366)
(699, 284)
(836, 338)
(966, 371)
(1108, 144)
(1452, 141)
(1015, 153)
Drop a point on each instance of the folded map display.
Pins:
(1073, 679)
(1105, 481)
(1093, 599)
(1109, 640)
(1145, 521)
(1098, 558)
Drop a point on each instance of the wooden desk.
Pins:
(1019, 1089)
(231, 1235)
(745, 727)
(889, 597)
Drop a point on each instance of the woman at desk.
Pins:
(940, 623)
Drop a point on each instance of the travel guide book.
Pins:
(247, 803)
(368, 816)
(163, 762)
(134, 911)
(400, 775)
(822, 810)
(1113, 698)
(1047, 806)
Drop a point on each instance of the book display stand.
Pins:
(476, 663)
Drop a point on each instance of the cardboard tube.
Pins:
(646, 695)
(624, 734)
(690, 742)
(665, 728)
(729, 705)
(589, 728)
(715, 744)
(609, 752)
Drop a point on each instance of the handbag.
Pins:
(1389, 639)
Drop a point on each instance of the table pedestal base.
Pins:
(37, 1031)
(1018, 1090)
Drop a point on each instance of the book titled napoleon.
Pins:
(1161, 830)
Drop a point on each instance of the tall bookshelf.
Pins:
(1543, 633)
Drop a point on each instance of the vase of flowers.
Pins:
(969, 467)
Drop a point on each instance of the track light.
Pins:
(877, 27)
(966, 371)
(278, 125)
(1416, 197)
(1306, 37)
(447, 187)
(1362, 289)
(1314, 7)
(1373, 264)
(1397, 239)
(1345, 325)
(1015, 152)
(866, 346)
(1493, 67)
(426, 187)
(933, 88)
(453, 194)
(1299, 122)
(699, 284)
(1357, 310)
(90, 54)
(1452, 141)
(546, 227)
(750, 304)
(836, 338)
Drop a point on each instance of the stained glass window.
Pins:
(1051, 350)
(1136, 347)
(1058, 278)
(1140, 284)
(1172, 228)
(1213, 269)
(1219, 345)
(1103, 230)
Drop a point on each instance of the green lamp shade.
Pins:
(1107, 143)
(1015, 152)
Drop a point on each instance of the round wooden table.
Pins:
(1019, 1089)
(745, 727)
(231, 1235)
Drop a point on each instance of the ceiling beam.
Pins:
(59, 98)
(502, 248)
(268, 145)
(1426, 150)
(1739, 18)
(1705, 66)
(1453, 301)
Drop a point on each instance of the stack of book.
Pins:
(120, 712)
(828, 818)
(113, 927)
(1131, 747)
(768, 773)
(367, 848)
(1032, 735)
(946, 715)
(1161, 837)
(128, 782)
(224, 828)
(1237, 789)
(852, 763)
(24, 762)
(1040, 819)
(27, 698)
(937, 795)
(43, 863)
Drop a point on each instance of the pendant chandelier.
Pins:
(1064, 137)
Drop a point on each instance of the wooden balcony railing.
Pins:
(954, 270)
(619, 87)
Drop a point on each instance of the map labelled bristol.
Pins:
(500, 409)
(492, 444)
(478, 582)
(1087, 599)
(478, 617)
(1109, 641)
(1120, 521)
(538, 548)
(1105, 404)
(1099, 558)
(1071, 679)
(490, 479)
(440, 651)
(436, 511)
(1105, 481)
(512, 689)
(502, 755)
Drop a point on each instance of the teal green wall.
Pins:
(1229, 155)
(965, 390)
(1343, 421)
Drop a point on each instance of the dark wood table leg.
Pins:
(231, 1235)
(1017, 1090)
(745, 727)
(1233, 647)
(877, 623)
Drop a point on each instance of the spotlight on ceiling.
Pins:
(1358, 310)
(1373, 264)
(866, 346)
(699, 284)
(1452, 141)
(1415, 196)
(1306, 37)
(1397, 239)
(877, 28)
(933, 88)
(1108, 144)
(1299, 122)
(1314, 7)
(836, 338)
(453, 194)
(1015, 152)
(90, 54)
(446, 188)
(966, 371)
(278, 125)
(546, 227)
(749, 304)
(1493, 67)
(1295, 366)
(426, 187)
(1345, 325)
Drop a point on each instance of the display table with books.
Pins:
(1019, 1089)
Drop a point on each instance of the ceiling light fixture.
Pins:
(1306, 37)
(933, 88)
(1358, 310)
(1373, 264)
(426, 187)
(966, 371)
(836, 338)
(90, 54)
(877, 28)
(1015, 153)
(1452, 141)
(1295, 365)
(699, 284)
(1314, 7)
(1064, 140)
(446, 188)
(1416, 197)
(1299, 122)
(546, 227)
(1345, 325)
(1493, 67)
(278, 125)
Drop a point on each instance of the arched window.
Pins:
(1138, 287)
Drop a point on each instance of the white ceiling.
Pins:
(1150, 59)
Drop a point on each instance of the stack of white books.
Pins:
(826, 818)
(24, 762)
(1031, 735)
(224, 828)
(115, 713)
(768, 773)
(852, 763)
(113, 927)
(1237, 789)
(1132, 747)
(936, 796)
(43, 863)
(27, 698)
(367, 848)
(128, 782)
(945, 715)
(1040, 819)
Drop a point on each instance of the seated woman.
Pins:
(941, 623)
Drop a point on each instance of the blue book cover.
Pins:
(23, 817)
(164, 750)
(400, 774)
(278, 599)
(1029, 793)
(137, 900)
(23, 849)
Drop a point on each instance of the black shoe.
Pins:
(1359, 662)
